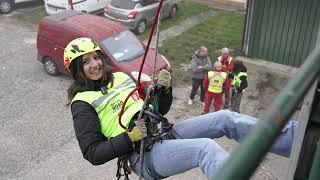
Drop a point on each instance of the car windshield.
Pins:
(124, 46)
(124, 4)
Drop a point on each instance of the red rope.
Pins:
(139, 85)
(123, 105)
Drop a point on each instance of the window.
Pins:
(124, 46)
(148, 2)
(124, 4)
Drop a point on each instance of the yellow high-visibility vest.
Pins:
(109, 105)
(216, 81)
(236, 82)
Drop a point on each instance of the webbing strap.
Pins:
(175, 134)
(148, 160)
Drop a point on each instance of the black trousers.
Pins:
(196, 83)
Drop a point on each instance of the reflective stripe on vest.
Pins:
(236, 82)
(229, 59)
(109, 105)
(216, 80)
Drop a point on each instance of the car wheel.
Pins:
(141, 27)
(50, 67)
(173, 12)
(6, 6)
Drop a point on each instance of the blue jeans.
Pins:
(197, 149)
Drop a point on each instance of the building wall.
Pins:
(281, 31)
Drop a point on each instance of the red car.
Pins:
(123, 50)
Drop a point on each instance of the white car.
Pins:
(6, 6)
(89, 6)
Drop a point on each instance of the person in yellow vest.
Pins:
(227, 66)
(96, 97)
(239, 84)
(214, 85)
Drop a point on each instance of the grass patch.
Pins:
(186, 9)
(222, 30)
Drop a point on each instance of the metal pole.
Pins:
(247, 156)
(157, 48)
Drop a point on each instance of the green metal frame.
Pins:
(282, 31)
(247, 156)
(315, 173)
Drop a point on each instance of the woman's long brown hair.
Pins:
(81, 82)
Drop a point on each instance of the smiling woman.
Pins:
(92, 66)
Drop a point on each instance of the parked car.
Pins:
(138, 14)
(90, 6)
(124, 52)
(6, 6)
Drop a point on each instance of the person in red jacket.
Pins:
(214, 85)
(227, 66)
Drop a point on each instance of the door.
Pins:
(149, 9)
(54, 38)
(166, 7)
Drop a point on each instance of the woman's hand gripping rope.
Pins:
(164, 78)
(138, 132)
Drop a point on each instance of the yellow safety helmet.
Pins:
(76, 48)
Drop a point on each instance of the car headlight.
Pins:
(144, 77)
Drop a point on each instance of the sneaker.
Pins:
(203, 113)
(190, 101)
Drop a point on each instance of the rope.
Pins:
(139, 85)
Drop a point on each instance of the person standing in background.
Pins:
(239, 84)
(214, 86)
(200, 65)
(227, 66)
